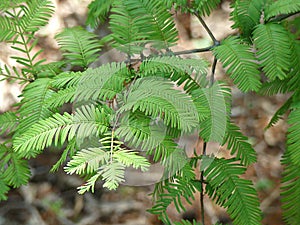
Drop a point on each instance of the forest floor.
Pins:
(51, 198)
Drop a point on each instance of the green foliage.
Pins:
(282, 7)
(241, 64)
(36, 15)
(189, 72)
(14, 170)
(32, 107)
(147, 134)
(228, 190)
(294, 81)
(4, 5)
(122, 111)
(279, 113)
(103, 82)
(184, 222)
(143, 21)
(171, 64)
(246, 15)
(275, 58)
(79, 47)
(8, 122)
(28, 18)
(204, 7)
(126, 32)
(85, 122)
(183, 186)
(239, 145)
(213, 105)
(291, 176)
(157, 98)
(293, 142)
(201, 7)
(290, 189)
(98, 10)
(18, 27)
(109, 161)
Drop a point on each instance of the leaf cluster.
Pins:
(120, 113)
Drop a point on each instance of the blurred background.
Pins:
(51, 198)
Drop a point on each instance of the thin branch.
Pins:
(216, 42)
(281, 17)
(191, 51)
(213, 71)
(16, 78)
(197, 50)
(202, 188)
(212, 79)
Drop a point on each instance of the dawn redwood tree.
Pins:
(124, 111)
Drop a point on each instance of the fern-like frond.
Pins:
(131, 158)
(33, 105)
(228, 190)
(69, 151)
(181, 5)
(293, 141)
(17, 173)
(5, 5)
(175, 163)
(66, 79)
(281, 7)
(157, 22)
(4, 188)
(49, 70)
(290, 189)
(126, 34)
(274, 87)
(175, 191)
(36, 14)
(90, 184)
(204, 7)
(108, 162)
(8, 122)
(240, 62)
(98, 11)
(41, 134)
(63, 96)
(14, 170)
(178, 187)
(30, 63)
(279, 113)
(190, 72)
(87, 121)
(104, 82)
(213, 106)
(8, 28)
(113, 174)
(246, 15)
(294, 82)
(273, 49)
(80, 47)
(141, 132)
(158, 98)
(170, 64)
(238, 144)
(87, 161)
